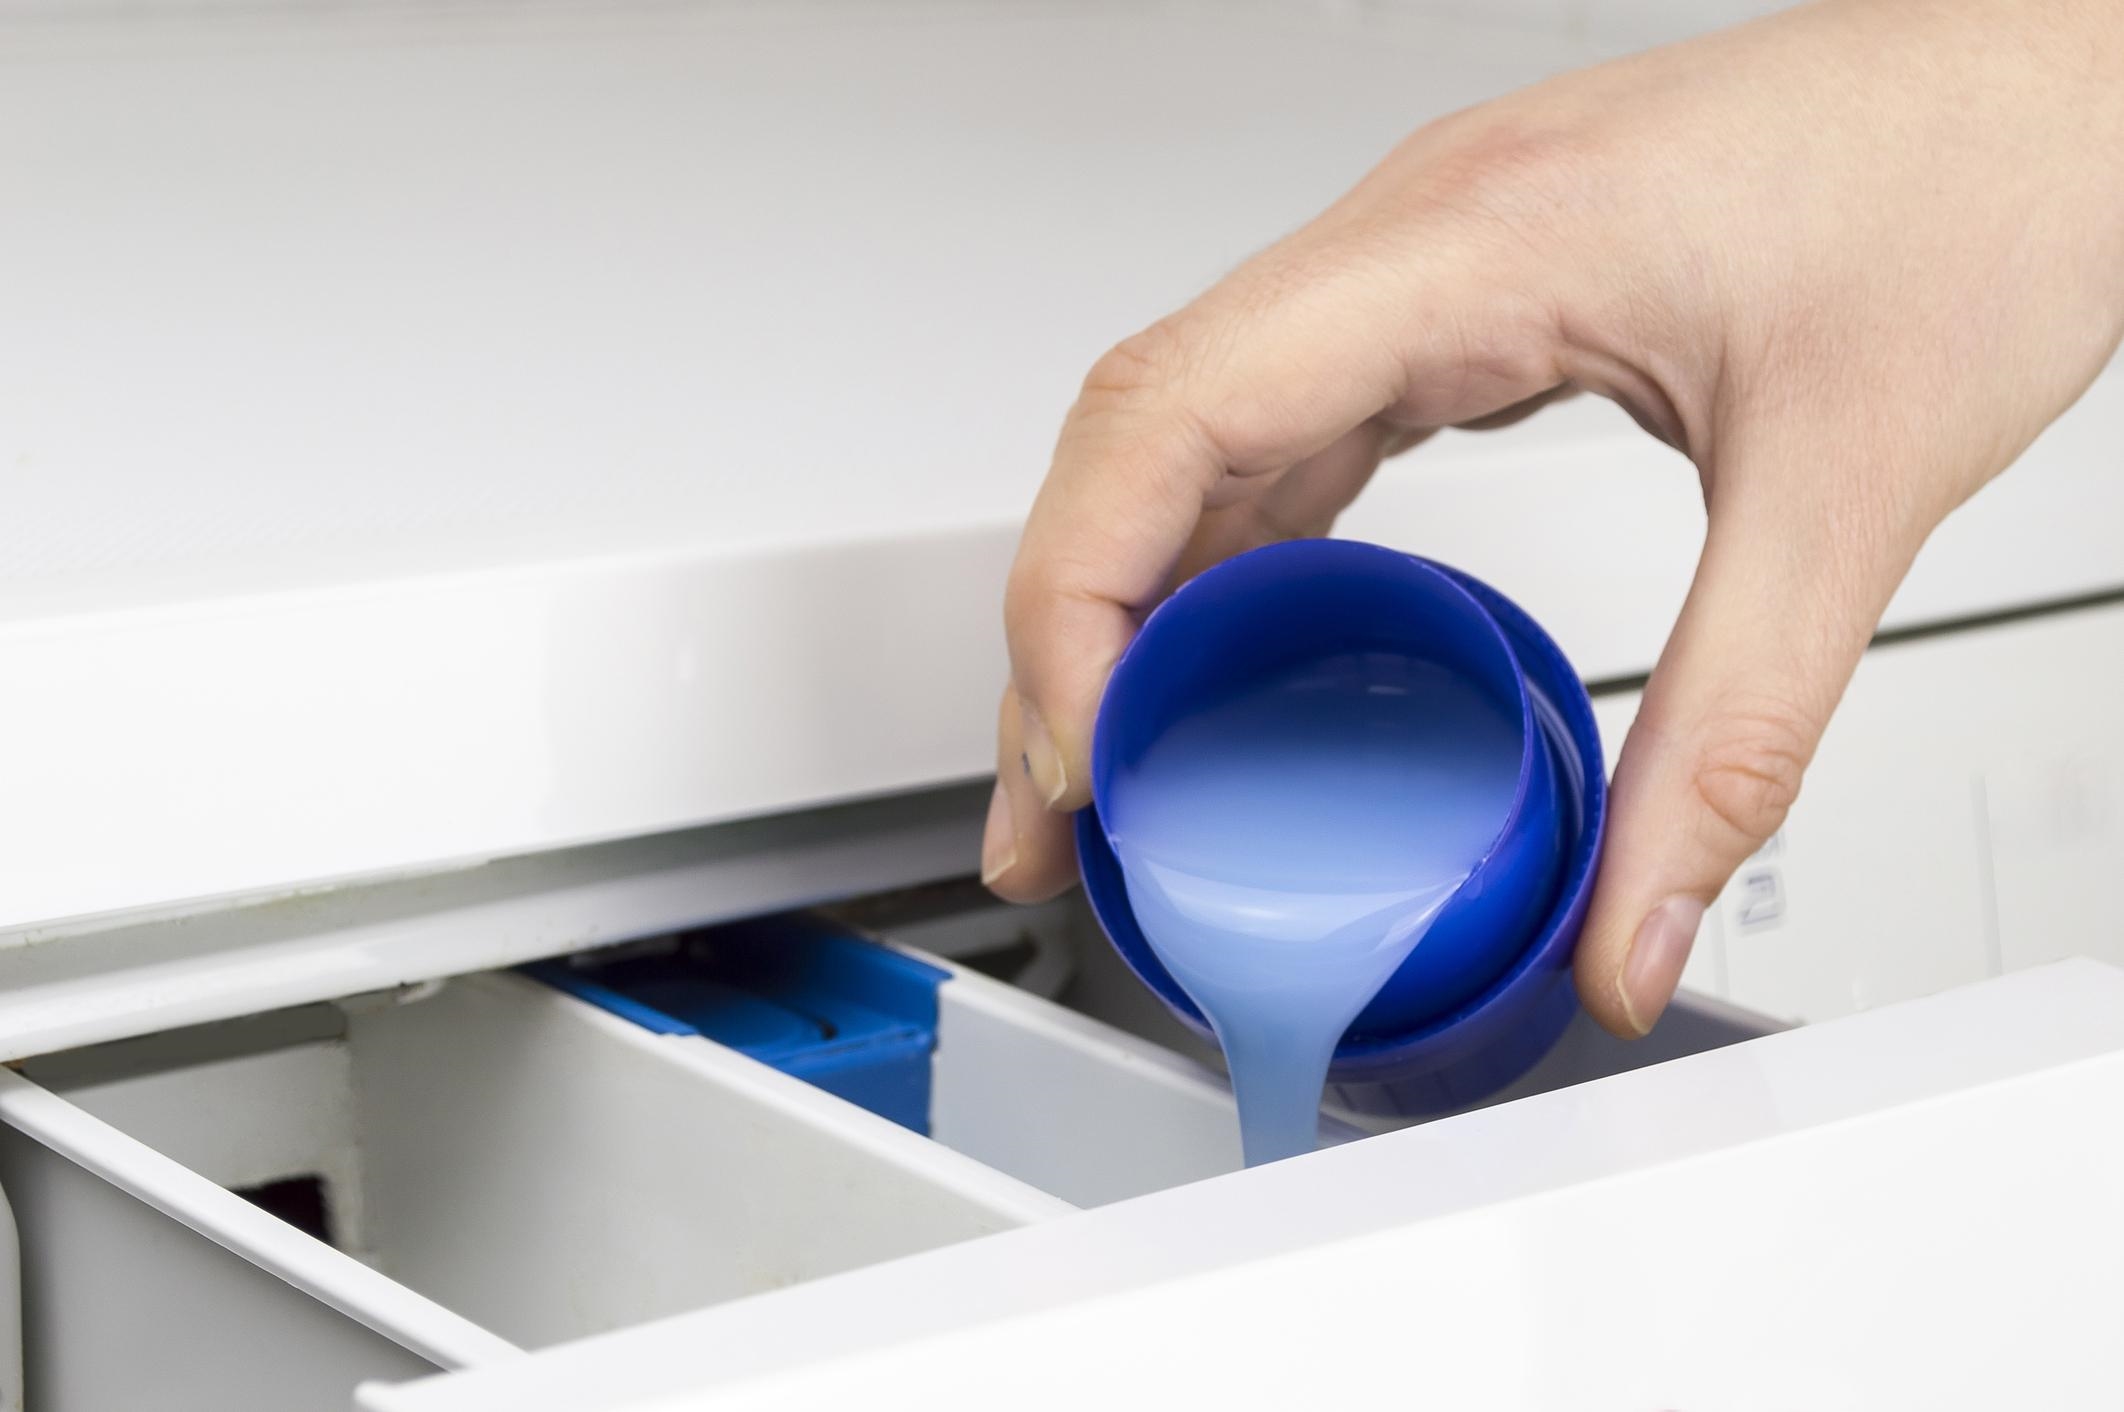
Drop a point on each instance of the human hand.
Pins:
(1850, 259)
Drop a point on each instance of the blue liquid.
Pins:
(1286, 847)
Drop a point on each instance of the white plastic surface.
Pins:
(577, 1173)
(434, 436)
(1903, 1209)
(1963, 818)
(10, 1312)
(1094, 1114)
(61, 989)
(1869, 1290)
(132, 1262)
(1074, 1106)
(514, 1167)
(503, 1165)
(140, 1311)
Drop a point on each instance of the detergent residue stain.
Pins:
(1287, 846)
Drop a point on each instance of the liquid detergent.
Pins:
(1286, 846)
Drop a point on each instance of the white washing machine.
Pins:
(484, 484)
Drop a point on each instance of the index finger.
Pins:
(1211, 407)
(1214, 407)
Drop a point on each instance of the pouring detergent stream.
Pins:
(1346, 806)
(1287, 845)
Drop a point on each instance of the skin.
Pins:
(1850, 259)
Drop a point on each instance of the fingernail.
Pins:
(1042, 761)
(1654, 966)
(999, 838)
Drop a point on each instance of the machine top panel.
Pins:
(328, 299)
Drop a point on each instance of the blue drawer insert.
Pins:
(846, 1014)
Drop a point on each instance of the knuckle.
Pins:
(1026, 595)
(1749, 773)
(1143, 364)
(1505, 173)
(1035, 590)
(1019, 594)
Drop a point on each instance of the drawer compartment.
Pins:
(1057, 1099)
(496, 1166)
(1103, 1094)
(1073, 1105)
(1064, 1101)
(1096, 1111)
(262, 1213)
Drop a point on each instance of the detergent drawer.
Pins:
(1128, 1099)
(986, 1067)
(267, 1211)
(1014, 1036)
(264, 1213)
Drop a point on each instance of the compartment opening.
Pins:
(537, 1166)
(1054, 950)
(300, 1201)
(1057, 1100)
(795, 992)
(1083, 973)
(1101, 1097)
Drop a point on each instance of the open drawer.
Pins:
(265, 1212)
(512, 1168)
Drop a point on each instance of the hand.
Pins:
(1850, 259)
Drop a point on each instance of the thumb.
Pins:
(1794, 576)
